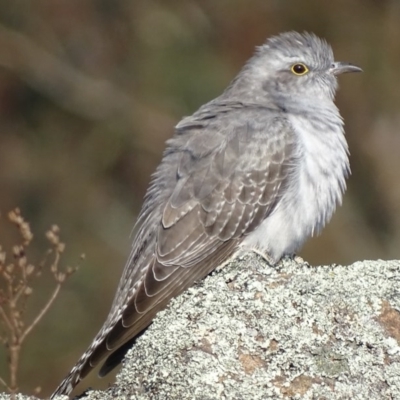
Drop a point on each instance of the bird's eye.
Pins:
(299, 69)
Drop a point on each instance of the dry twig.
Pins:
(16, 286)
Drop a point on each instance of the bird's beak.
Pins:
(338, 68)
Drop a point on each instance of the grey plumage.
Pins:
(261, 167)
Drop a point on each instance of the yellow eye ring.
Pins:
(299, 69)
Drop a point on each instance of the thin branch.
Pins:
(2, 382)
(17, 281)
(5, 318)
(15, 350)
(42, 313)
(21, 291)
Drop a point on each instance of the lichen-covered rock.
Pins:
(293, 331)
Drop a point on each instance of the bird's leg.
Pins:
(264, 255)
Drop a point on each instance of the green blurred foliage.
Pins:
(89, 92)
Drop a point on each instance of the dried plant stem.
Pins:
(17, 279)
(44, 310)
(14, 350)
(3, 382)
(4, 317)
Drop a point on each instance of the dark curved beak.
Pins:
(338, 68)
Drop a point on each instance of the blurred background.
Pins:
(91, 89)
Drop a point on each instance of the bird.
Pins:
(260, 168)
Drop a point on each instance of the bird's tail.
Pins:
(84, 365)
(73, 378)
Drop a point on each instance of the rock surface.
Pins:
(252, 331)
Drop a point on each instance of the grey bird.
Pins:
(262, 167)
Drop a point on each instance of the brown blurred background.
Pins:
(91, 89)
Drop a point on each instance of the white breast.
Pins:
(315, 190)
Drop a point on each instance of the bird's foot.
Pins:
(265, 256)
(294, 257)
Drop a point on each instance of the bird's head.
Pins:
(293, 65)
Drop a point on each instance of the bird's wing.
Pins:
(223, 180)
